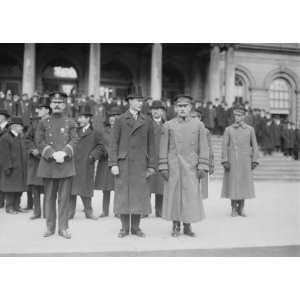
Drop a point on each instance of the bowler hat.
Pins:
(156, 104)
(4, 112)
(16, 120)
(114, 111)
(44, 102)
(85, 110)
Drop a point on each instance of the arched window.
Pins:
(241, 89)
(280, 96)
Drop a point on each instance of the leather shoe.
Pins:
(65, 234)
(91, 217)
(48, 233)
(123, 233)
(11, 211)
(138, 233)
(34, 217)
(187, 230)
(103, 215)
(21, 210)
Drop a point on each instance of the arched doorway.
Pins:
(116, 80)
(10, 75)
(173, 82)
(60, 76)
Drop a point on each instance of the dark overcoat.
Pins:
(13, 149)
(33, 161)
(88, 149)
(56, 133)
(132, 149)
(288, 138)
(267, 142)
(276, 133)
(2, 157)
(105, 180)
(156, 181)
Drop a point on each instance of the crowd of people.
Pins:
(64, 147)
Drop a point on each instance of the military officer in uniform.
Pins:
(183, 162)
(56, 139)
(239, 158)
(88, 149)
(132, 162)
(4, 116)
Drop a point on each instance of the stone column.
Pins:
(229, 75)
(196, 80)
(94, 70)
(28, 82)
(214, 74)
(156, 72)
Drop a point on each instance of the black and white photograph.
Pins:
(149, 150)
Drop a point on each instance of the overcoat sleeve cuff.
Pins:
(69, 150)
(203, 164)
(47, 152)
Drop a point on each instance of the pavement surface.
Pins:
(271, 229)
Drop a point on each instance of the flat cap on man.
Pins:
(183, 99)
(16, 120)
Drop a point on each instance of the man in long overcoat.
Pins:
(88, 149)
(4, 116)
(183, 161)
(156, 181)
(239, 158)
(56, 138)
(34, 182)
(13, 177)
(132, 161)
(105, 180)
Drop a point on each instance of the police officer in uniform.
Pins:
(56, 138)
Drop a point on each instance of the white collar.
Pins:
(14, 133)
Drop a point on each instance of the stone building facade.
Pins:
(265, 75)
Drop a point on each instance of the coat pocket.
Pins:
(122, 155)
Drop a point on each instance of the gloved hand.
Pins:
(35, 152)
(165, 174)
(91, 159)
(226, 166)
(59, 156)
(8, 172)
(254, 164)
(200, 174)
(149, 172)
(115, 170)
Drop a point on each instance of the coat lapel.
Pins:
(138, 123)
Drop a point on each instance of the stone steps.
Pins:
(275, 167)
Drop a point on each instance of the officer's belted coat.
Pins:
(132, 149)
(239, 148)
(88, 149)
(183, 150)
(56, 133)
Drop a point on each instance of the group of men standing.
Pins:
(137, 155)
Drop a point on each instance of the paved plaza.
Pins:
(271, 229)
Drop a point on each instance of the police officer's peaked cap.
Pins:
(114, 111)
(156, 104)
(85, 110)
(4, 112)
